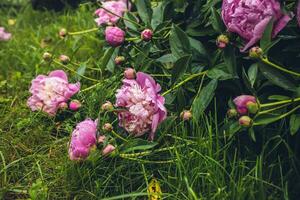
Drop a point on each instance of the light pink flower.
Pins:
(249, 18)
(298, 13)
(108, 149)
(114, 36)
(4, 36)
(241, 103)
(83, 139)
(116, 8)
(49, 93)
(144, 105)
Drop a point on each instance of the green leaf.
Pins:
(220, 72)
(294, 123)
(180, 67)
(252, 73)
(111, 63)
(80, 71)
(267, 35)
(138, 144)
(179, 42)
(144, 10)
(199, 47)
(230, 60)
(251, 133)
(278, 97)
(129, 24)
(203, 98)
(159, 14)
(216, 21)
(106, 57)
(276, 77)
(167, 58)
(267, 118)
(180, 5)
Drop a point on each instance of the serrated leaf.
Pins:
(203, 98)
(180, 67)
(179, 42)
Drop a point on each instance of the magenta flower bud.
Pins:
(222, 41)
(241, 103)
(108, 150)
(146, 35)
(232, 113)
(114, 36)
(64, 59)
(255, 52)
(129, 73)
(245, 121)
(74, 105)
(186, 115)
(63, 105)
(83, 140)
(107, 127)
(101, 139)
(63, 33)
(47, 56)
(119, 60)
(107, 106)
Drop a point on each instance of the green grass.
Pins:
(202, 162)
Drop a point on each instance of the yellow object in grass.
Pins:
(154, 190)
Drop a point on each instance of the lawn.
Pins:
(197, 158)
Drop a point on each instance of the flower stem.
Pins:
(266, 61)
(118, 136)
(184, 81)
(279, 102)
(83, 32)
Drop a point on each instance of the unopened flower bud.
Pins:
(74, 105)
(108, 149)
(222, 41)
(101, 139)
(186, 115)
(64, 59)
(146, 35)
(119, 60)
(63, 105)
(245, 121)
(232, 113)
(11, 22)
(107, 127)
(47, 57)
(129, 73)
(63, 33)
(114, 36)
(107, 106)
(252, 107)
(255, 52)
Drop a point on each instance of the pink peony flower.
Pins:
(116, 8)
(49, 93)
(114, 36)
(83, 139)
(108, 149)
(298, 13)
(241, 103)
(4, 36)
(144, 105)
(249, 18)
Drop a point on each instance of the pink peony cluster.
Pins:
(83, 139)
(144, 105)
(249, 18)
(4, 36)
(116, 8)
(242, 103)
(49, 93)
(114, 36)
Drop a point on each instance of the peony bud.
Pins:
(108, 149)
(222, 41)
(107, 127)
(63, 33)
(107, 106)
(63, 105)
(186, 115)
(64, 59)
(101, 139)
(245, 121)
(119, 60)
(114, 36)
(255, 52)
(129, 73)
(232, 113)
(252, 107)
(47, 57)
(11, 22)
(146, 35)
(241, 103)
(74, 105)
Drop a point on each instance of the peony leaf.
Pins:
(230, 60)
(179, 42)
(80, 71)
(216, 21)
(144, 10)
(252, 73)
(180, 67)
(294, 123)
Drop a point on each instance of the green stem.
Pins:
(118, 136)
(72, 70)
(270, 110)
(132, 39)
(83, 32)
(266, 61)
(279, 102)
(184, 81)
